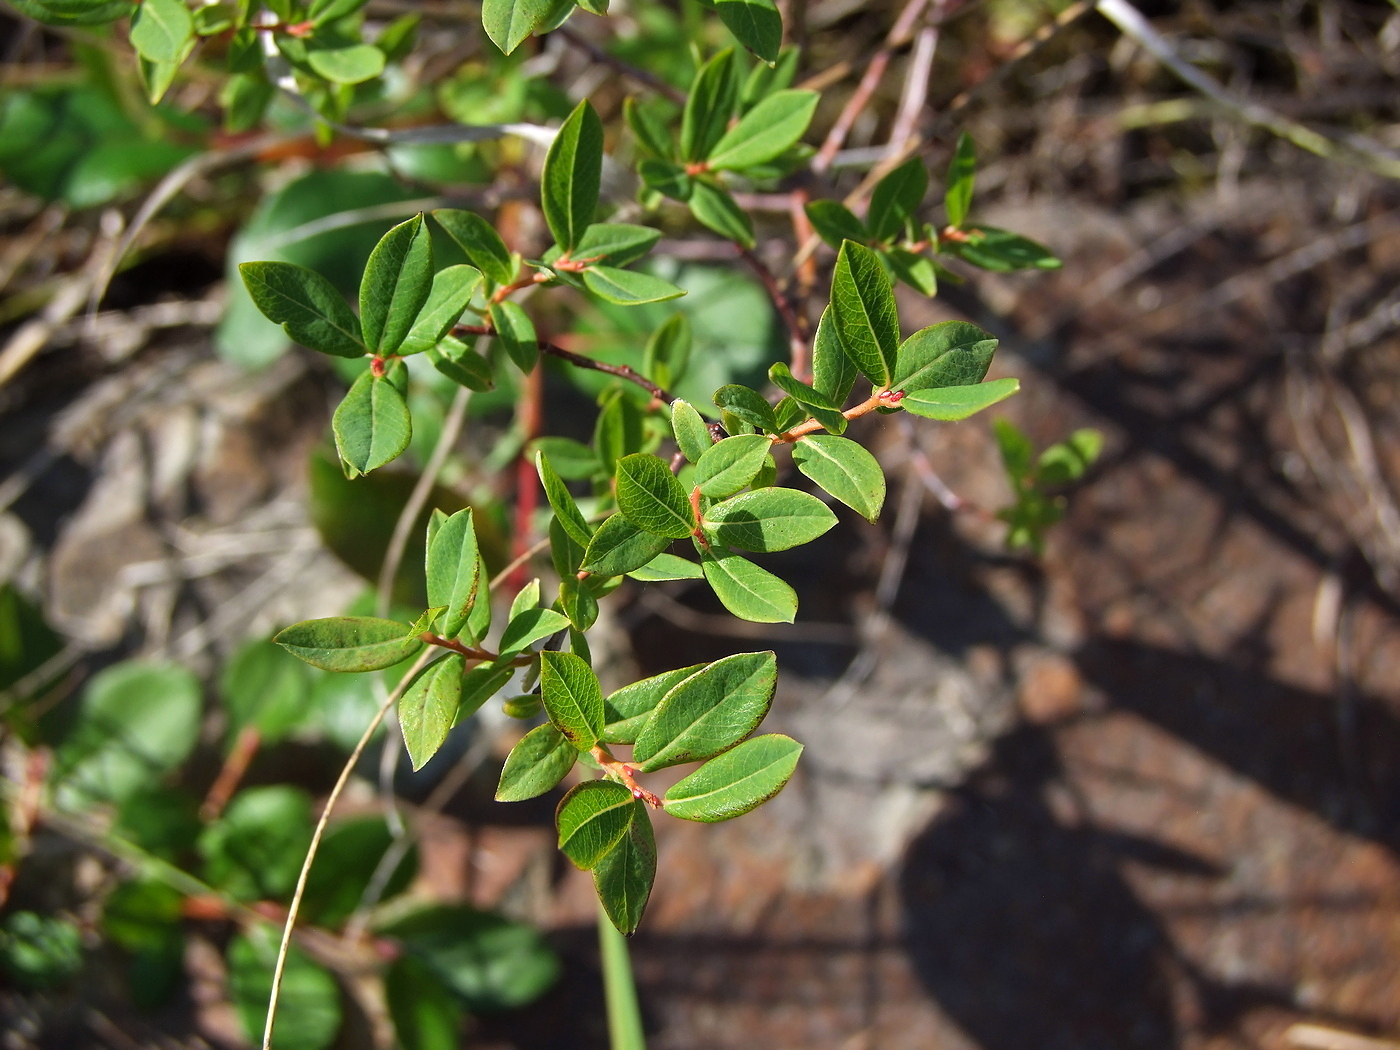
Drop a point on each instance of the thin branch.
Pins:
(641, 76)
(797, 330)
(579, 361)
(333, 798)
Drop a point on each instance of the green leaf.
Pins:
(351, 64)
(372, 425)
(426, 1015)
(489, 962)
(1016, 449)
(397, 282)
(136, 722)
(346, 864)
(528, 597)
(516, 332)
(161, 30)
(528, 627)
(572, 698)
(749, 405)
(461, 364)
(826, 411)
(666, 567)
(951, 403)
(627, 287)
(615, 243)
(896, 198)
(509, 22)
(536, 764)
(308, 1014)
(1001, 251)
(565, 553)
(834, 223)
(844, 469)
(951, 353)
(618, 431)
(728, 466)
(765, 131)
(573, 460)
(565, 509)
(306, 305)
(350, 643)
(452, 290)
(708, 712)
(620, 547)
(253, 852)
(713, 96)
(737, 781)
(749, 592)
(957, 201)
(769, 520)
(624, 877)
(652, 135)
(651, 498)
(481, 684)
(667, 352)
(479, 239)
(666, 178)
(755, 23)
(592, 818)
(833, 371)
(917, 271)
(156, 77)
(579, 603)
(266, 688)
(428, 708)
(323, 11)
(626, 711)
(691, 430)
(766, 78)
(715, 208)
(862, 306)
(572, 174)
(453, 567)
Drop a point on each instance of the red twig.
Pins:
(240, 757)
(627, 775)
(526, 480)
(579, 361)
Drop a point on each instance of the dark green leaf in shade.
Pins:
(461, 364)
(826, 411)
(833, 371)
(951, 353)
(490, 962)
(453, 570)
(1001, 251)
(748, 591)
(254, 851)
(579, 603)
(516, 332)
(708, 712)
(426, 1015)
(481, 684)
(348, 64)
(371, 425)
(451, 291)
(565, 509)
(667, 352)
(917, 271)
(528, 627)
(509, 22)
(737, 781)
(615, 243)
(560, 10)
(957, 201)
(161, 30)
(618, 431)
(862, 306)
(765, 131)
(266, 688)
(306, 305)
(592, 818)
(666, 178)
(620, 547)
(764, 79)
(245, 98)
(755, 23)
(628, 287)
(536, 764)
(666, 567)
(951, 403)
(345, 865)
(651, 498)
(713, 95)
(691, 430)
(768, 520)
(728, 466)
(397, 282)
(308, 1012)
(834, 223)
(572, 460)
(623, 878)
(350, 643)
(428, 708)
(626, 711)
(749, 405)
(563, 551)
(845, 469)
(572, 698)
(652, 134)
(479, 239)
(572, 175)
(896, 198)
(715, 208)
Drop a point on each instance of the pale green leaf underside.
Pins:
(952, 403)
(737, 781)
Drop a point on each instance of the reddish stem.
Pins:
(626, 774)
(579, 361)
(240, 757)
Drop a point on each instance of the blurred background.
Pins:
(1138, 790)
